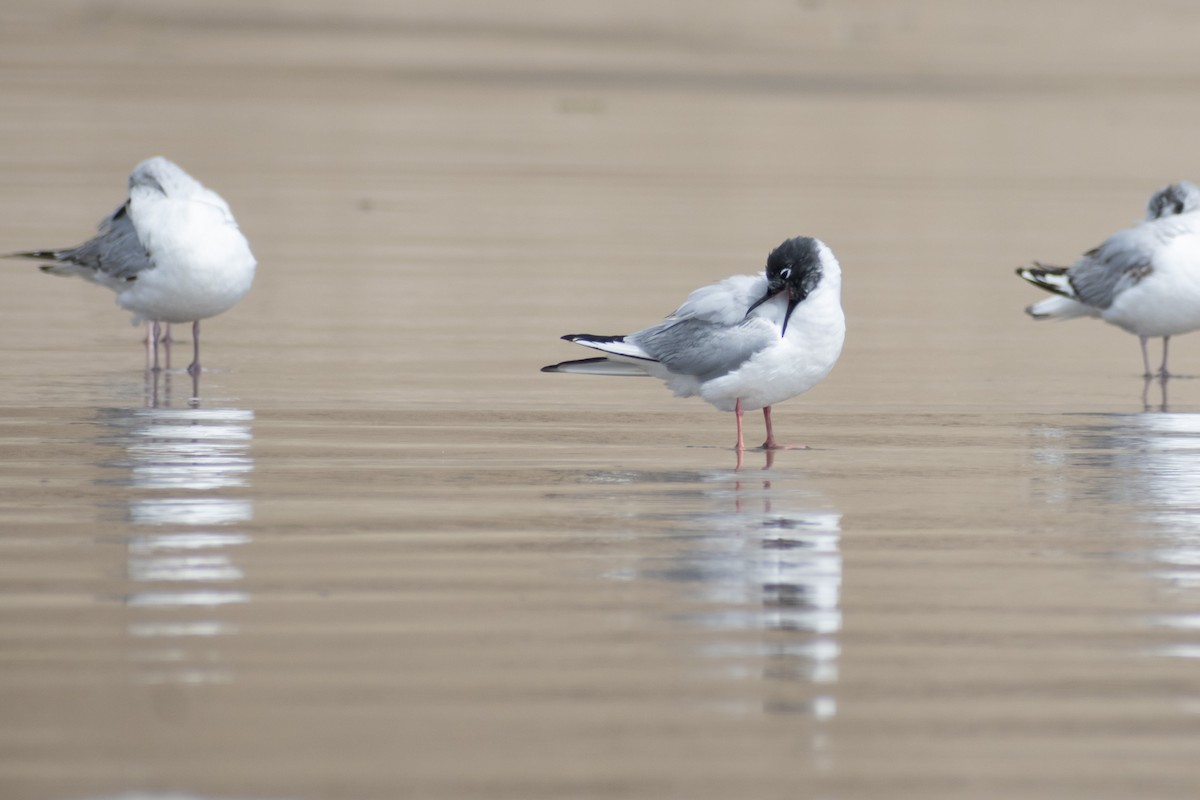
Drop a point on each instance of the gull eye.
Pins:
(785, 273)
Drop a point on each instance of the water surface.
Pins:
(374, 553)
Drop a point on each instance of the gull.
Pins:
(744, 343)
(1144, 279)
(172, 252)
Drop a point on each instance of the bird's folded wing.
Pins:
(705, 349)
(115, 251)
(724, 302)
(1119, 262)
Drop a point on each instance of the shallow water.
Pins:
(375, 553)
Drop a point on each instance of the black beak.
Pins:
(771, 292)
(793, 301)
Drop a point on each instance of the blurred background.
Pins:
(404, 169)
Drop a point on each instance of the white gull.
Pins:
(1144, 279)
(172, 252)
(744, 343)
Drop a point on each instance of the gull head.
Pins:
(1178, 198)
(165, 177)
(795, 267)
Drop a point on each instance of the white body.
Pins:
(186, 260)
(1147, 278)
(202, 263)
(791, 365)
(1167, 301)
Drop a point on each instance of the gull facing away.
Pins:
(1144, 279)
(172, 252)
(747, 342)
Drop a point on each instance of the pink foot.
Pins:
(770, 443)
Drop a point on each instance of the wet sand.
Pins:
(383, 556)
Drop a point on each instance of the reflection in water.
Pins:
(773, 570)
(763, 566)
(187, 469)
(1161, 381)
(161, 385)
(1150, 464)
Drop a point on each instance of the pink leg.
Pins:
(194, 367)
(152, 332)
(149, 345)
(737, 410)
(769, 444)
(1145, 358)
(166, 340)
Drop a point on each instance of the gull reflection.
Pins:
(183, 568)
(186, 471)
(189, 511)
(772, 565)
(1146, 466)
(1150, 380)
(160, 385)
(760, 560)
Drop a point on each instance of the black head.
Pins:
(796, 266)
(793, 267)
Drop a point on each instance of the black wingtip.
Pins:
(1037, 275)
(592, 337)
(559, 366)
(38, 255)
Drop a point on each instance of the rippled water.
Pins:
(374, 553)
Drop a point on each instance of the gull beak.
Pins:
(793, 301)
(772, 291)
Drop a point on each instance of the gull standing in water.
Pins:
(172, 252)
(747, 342)
(1144, 279)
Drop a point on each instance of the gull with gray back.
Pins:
(744, 343)
(1144, 279)
(172, 252)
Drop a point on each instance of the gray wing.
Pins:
(115, 251)
(704, 349)
(1104, 272)
(725, 301)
